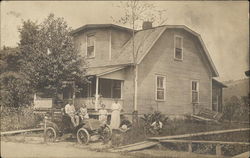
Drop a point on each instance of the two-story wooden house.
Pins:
(175, 71)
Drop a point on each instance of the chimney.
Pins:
(147, 25)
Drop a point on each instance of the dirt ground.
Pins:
(59, 150)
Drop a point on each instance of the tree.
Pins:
(15, 88)
(136, 12)
(48, 54)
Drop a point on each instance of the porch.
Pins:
(105, 85)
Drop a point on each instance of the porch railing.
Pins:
(90, 102)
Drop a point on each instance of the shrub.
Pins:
(236, 109)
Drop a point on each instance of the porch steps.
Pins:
(207, 114)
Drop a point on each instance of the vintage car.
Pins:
(59, 124)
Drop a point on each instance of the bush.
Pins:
(19, 118)
(236, 109)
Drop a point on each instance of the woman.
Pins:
(103, 114)
(115, 115)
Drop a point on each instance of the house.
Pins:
(174, 69)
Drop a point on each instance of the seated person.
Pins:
(103, 114)
(156, 127)
(83, 112)
(71, 112)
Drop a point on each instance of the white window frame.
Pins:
(87, 36)
(177, 36)
(164, 86)
(198, 91)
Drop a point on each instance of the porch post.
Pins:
(135, 95)
(96, 93)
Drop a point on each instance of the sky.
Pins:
(223, 25)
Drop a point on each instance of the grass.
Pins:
(177, 127)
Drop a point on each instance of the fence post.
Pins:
(218, 150)
(45, 126)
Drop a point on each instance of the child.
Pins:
(156, 127)
(103, 114)
(83, 112)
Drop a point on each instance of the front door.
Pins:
(68, 90)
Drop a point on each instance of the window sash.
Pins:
(160, 88)
(178, 53)
(178, 42)
(195, 92)
(90, 46)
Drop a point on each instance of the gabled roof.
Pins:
(144, 41)
(99, 26)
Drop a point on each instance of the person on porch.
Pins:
(71, 112)
(115, 115)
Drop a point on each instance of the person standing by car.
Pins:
(71, 112)
(115, 115)
(103, 114)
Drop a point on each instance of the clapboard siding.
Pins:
(107, 41)
(179, 74)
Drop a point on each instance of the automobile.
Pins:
(59, 123)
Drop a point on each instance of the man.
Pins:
(71, 112)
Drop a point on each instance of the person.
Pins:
(83, 112)
(103, 114)
(156, 127)
(71, 112)
(115, 115)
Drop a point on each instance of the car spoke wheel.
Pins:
(50, 134)
(83, 136)
(106, 133)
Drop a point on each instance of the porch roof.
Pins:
(215, 82)
(99, 71)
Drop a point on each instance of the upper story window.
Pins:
(160, 88)
(90, 46)
(178, 48)
(195, 91)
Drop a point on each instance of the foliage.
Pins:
(135, 12)
(15, 88)
(18, 118)
(236, 109)
(152, 117)
(48, 54)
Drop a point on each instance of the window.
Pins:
(116, 89)
(195, 92)
(90, 46)
(160, 88)
(178, 54)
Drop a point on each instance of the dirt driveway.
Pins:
(62, 149)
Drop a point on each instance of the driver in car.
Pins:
(71, 112)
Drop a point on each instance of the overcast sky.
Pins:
(222, 25)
